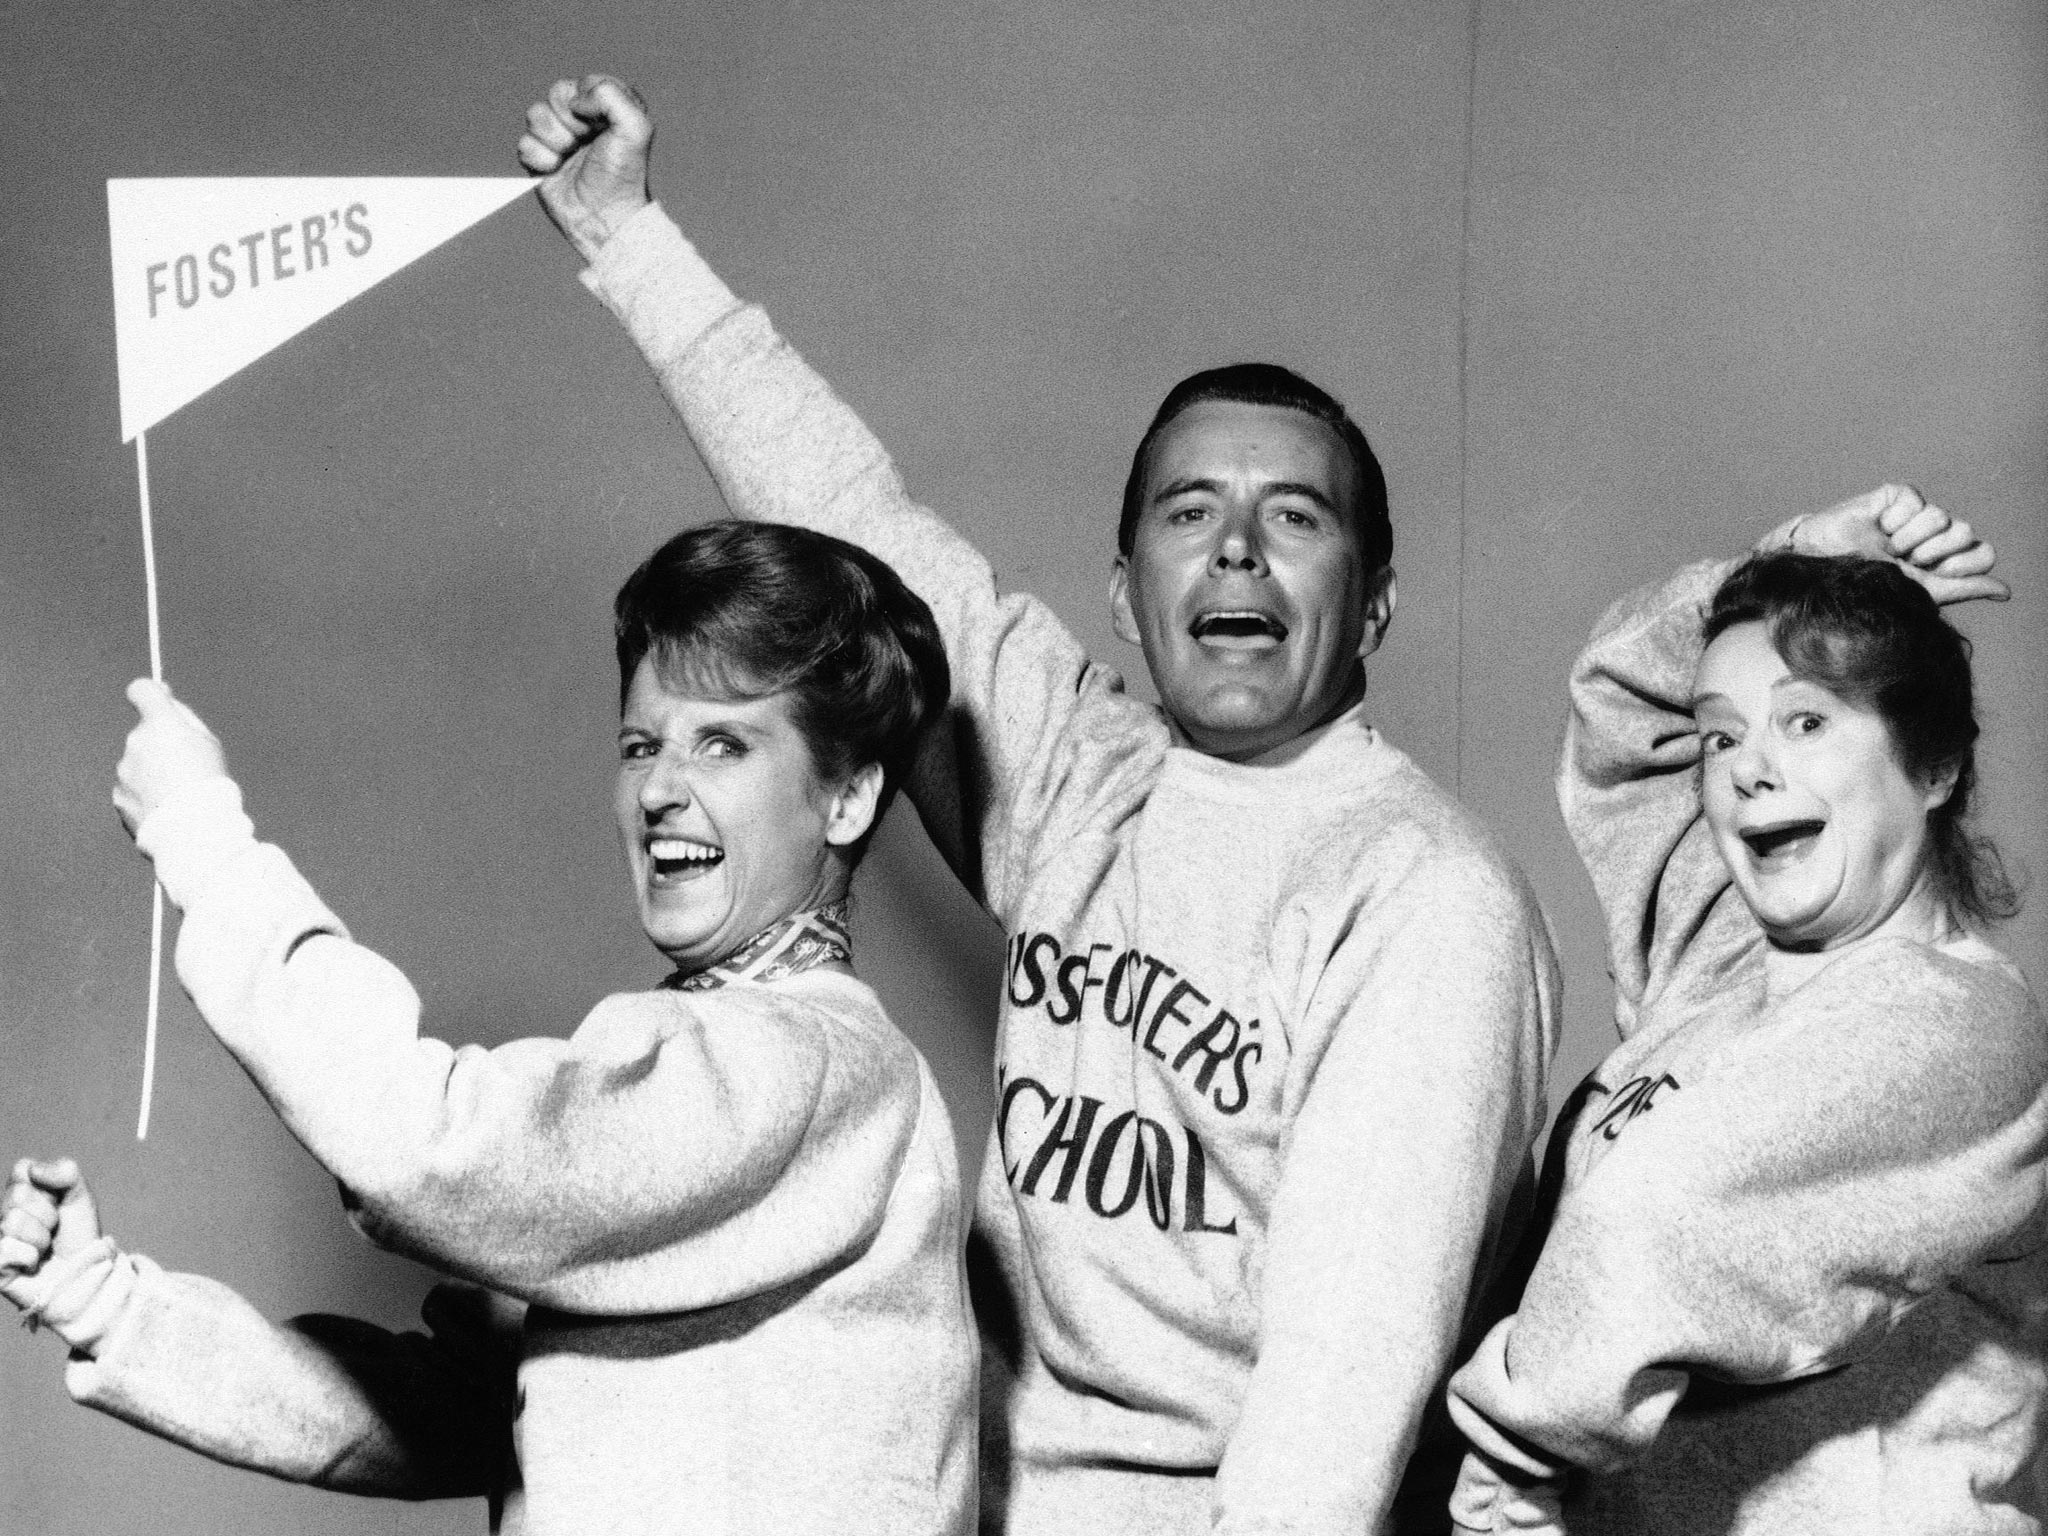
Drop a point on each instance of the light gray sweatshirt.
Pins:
(735, 1216)
(1796, 1284)
(1272, 1039)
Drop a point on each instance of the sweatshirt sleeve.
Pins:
(329, 1401)
(1627, 785)
(677, 1152)
(1436, 1018)
(1880, 1133)
(784, 448)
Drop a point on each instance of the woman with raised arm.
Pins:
(1795, 1281)
(731, 1205)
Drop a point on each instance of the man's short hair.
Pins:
(1270, 384)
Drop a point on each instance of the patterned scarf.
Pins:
(797, 943)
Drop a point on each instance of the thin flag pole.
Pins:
(156, 904)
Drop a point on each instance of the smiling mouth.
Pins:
(1784, 843)
(673, 859)
(1238, 629)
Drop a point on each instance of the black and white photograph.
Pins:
(1025, 769)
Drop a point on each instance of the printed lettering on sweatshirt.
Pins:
(1637, 1096)
(1074, 1149)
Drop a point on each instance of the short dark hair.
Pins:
(745, 610)
(1270, 384)
(1866, 631)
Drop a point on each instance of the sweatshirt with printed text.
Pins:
(1272, 1039)
(1796, 1280)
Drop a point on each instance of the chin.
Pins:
(1238, 717)
(680, 944)
(1793, 924)
(1793, 908)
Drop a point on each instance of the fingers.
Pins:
(552, 132)
(576, 112)
(29, 1215)
(26, 1236)
(169, 749)
(20, 1257)
(47, 1208)
(157, 705)
(151, 698)
(1945, 589)
(28, 1222)
(1936, 541)
(160, 708)
(1943, 553)
(59, 1175)
(78, 1217)
(1897, 505)
(605, 101)
(1933, 540)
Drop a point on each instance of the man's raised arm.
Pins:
(784, 448)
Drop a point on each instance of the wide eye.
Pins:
(1805, 723)
(1713, 743)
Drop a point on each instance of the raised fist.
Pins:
(589, 138)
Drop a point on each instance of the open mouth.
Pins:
(1784, 843)
(680, 858)
(1238, 629)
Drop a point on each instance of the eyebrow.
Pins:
(1299, 488)
(725, 726)
(1789, 680)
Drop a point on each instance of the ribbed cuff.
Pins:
(80, 1296)
(193, 833)
(648, 264)
(1485, 1379)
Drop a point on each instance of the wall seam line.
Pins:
(1464, 394)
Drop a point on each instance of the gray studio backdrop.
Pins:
(1610, 286)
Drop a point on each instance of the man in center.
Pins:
(1276, 1012)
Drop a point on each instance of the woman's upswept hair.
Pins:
(1869, 633)
(741, 611)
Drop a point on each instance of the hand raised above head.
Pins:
(590, 139)
(1943, 553)
(169, 749)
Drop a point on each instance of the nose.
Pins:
(1238, 544)
(1751, 768)
(665, 786)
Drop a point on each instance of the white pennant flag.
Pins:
(211, 272)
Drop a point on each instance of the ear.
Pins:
(852, 810)
(1121, 619)
(1941, 783)
(1379, 611)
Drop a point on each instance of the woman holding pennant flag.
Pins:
(730, 1205)
(213, 272)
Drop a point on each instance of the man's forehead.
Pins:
(1241, 438)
